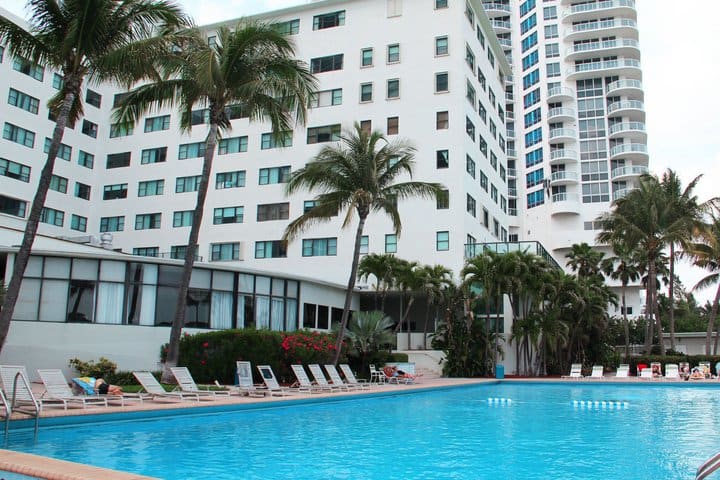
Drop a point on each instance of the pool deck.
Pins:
(37, 467)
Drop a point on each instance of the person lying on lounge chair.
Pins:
(103, 388)
(697, 374)
(393, 371)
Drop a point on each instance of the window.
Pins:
(441, 3)
(177, 252)
(532, 117)
(326, 64)
(531, 79)
(271, 249)
(552, 50)
(329, 20)
(117, 160)
(366, 126)
(441, 82)
(393, 53)
(470, 128)
(86, 159)
(18, 135)
(442, 241)
(228, 215)
(528, 42)
(530, 60)
(595, 192)
(494, 193)
(483, 181)
(534, 157)
(364, 245)
(269, 176)
(531, 98)
(78, 223)
(230, 179)
(553, 69)
(441, 46)
(120, 130)
(155, 124)
(491, 58)
(393, 125)
(51, 216)
(82, 191)
(199, 117)
(551, 31)
(153, 155)
(151, 187)
(14, 170)
(291, 27)
(480, 36)
(481, 79)
(114, 192)
(57, 81)
(191, 150)
(442, 200)
(483, 145)
(442, 121)
(503, 174)
(28, 68)
(22, 100)
(224, 251)
(187, 184)
(183, 218)
(366, 91)
(471, 205)
(58, 183)
(147, 221)
(319, 247)
(12, 206)
(326, 98)
(528, 23)
(469, 57)
(470, 93)
(393, 88)
(550, 13)
(328, 133)
(493, 129)
(391, 243)
(112, 224)
(273, 211)
(366, 55)
(526, 7)
(93, 98)
(470, 14)
(535, 198)
(279, 140)
(533, 137)
(146, 251)
(482, 112)
(89, 128)
(442, 159)
(64, 151)
(470, 166)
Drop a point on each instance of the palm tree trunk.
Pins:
(190, 252)
(711, 321)
(23, 255)
(671, 296)
(656, 310)
(626, 324)
(427, 320)
(350, 287)
(648, 315)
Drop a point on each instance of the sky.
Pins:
(681, 72)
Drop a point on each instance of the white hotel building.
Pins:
(529, 113)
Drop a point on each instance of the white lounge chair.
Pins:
(186, 383)
(622, 371)
(646, 373)
(245, 385)
(18, 393)
(376, 376)
(672, 371)
(336, 379)
(156, 391)
(321, 380)
(56, 387)
(303, 381)
(575, 371)
(597, 371)
(271, 383)
(350, 376)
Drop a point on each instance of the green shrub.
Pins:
(104, 368)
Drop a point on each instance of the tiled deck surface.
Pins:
(46, 468)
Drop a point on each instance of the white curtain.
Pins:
(241, 311)
(221, 310)
(147, 310)
(262, 312)
(278, 314)
(291, 305)
(110, 303)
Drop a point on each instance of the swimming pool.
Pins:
(655, 432)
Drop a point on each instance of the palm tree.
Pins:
(480, 271)
(358, 176)
(250, 71)
(438, 279)
(584, 260)
(382, 267)
(623, 266)
(368, 332)
(85, 40)
(706, 254)
(410, 279)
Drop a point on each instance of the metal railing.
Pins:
(709, 467)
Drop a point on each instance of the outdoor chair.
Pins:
(350, 376)
(157, 392)
(336, 379)
(321, 380)
(597, 371)
(575, 371)
(56, 387)
(303, 381)
(672, 371)
(186, 383)
(622, 371)
(271, 383)
(245, 384)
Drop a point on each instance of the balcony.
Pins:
(558, 94)
(618, 27)
(622, 193)
(511, 153)
(494, 9)
(628, 171)
(635, 152)
(627, 87)
(505, 43)
(563, 177)
(565, 203)
(501, 26)
(624, 47)
(509, 115)
(563, 156)
(633, 131)
(509, 80)
(512, 192)
(512, 172)
(633, 109)
(510, 134)
(588, 11)
(622, 67)
(558, 134)
(561, 114)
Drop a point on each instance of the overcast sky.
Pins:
(681, 71)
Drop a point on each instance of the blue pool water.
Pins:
(664, 432)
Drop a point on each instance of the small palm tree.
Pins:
(584, 260)
(624, 267)
(706, 254)
(368, 332)
(251, 71)
(85, 40)
(439, 278)
(359, 176)
(382, 267)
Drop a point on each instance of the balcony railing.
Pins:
(563, 153)
(496, 6)
(618, 194)
(588, 47)
(563, 175)
(634, 170)
(561, 112)
(626, 104)
(512, 172)
(627, 127)
(561, 91)
(629, 148)
(606, 65)
(622, 84)
(603, 24)
(562, 132)
(588, 7)
(473, 249)
(501, 24)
